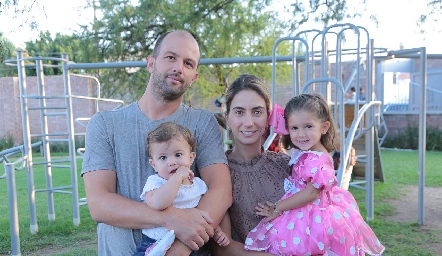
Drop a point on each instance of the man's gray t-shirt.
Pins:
(116, 140)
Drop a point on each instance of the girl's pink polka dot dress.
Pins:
(330, 225)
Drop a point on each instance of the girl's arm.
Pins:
(162, 197)
(301, 198)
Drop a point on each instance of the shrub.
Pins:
(61, 147)
(6, 142)
(409, 139)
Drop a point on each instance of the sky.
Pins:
(397, 23)
(54, 16)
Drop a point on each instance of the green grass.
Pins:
(401, 168)
(61, 237)
(57, 237)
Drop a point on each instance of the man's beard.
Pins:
(165, 92)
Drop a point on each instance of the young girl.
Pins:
(171, 147)
(314, 217)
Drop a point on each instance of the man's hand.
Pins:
(191, 226)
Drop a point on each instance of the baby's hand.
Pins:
(220, 237)
(185, 172)
(267, 210)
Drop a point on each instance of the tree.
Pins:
(6, 52)
(321, 11)
(54, 47)
(6, 48)
(22, 9)
(223, 29)
(434, 14)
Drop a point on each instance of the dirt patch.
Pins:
(49, 250)
(407, 210)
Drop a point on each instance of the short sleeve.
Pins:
(210, 148)
(99, 153)
(318, 169)
(208, 137)
(152, 182)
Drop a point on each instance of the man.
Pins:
(116, 166)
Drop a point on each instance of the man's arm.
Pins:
(106, 206)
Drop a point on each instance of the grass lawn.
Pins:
(61, 237)
(58, 237)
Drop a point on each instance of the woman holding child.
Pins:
(257, 175)
(314, 217)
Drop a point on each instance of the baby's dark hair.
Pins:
(317, 105)
(167, 131)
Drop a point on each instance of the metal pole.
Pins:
(45, 139)
(422, 135)
(369, 166)
(369, 139)
(13, 209)
(27, 142)
(71, 140)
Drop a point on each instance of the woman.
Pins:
(257, 175)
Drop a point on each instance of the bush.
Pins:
(61, 147)
(6, 142)
(409, 139)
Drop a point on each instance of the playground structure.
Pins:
(363, 128)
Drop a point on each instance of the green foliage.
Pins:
(432, 16)
(47, 46)
(226, 28)
(409, 139)
(6, 142)
(222, 28)
(321, 11)
(6, 48)
(6, 52)
(60, 147)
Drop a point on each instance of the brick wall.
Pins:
(10, 107)
(399, 122)
(10, 115)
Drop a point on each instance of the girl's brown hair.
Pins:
(317, 105)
